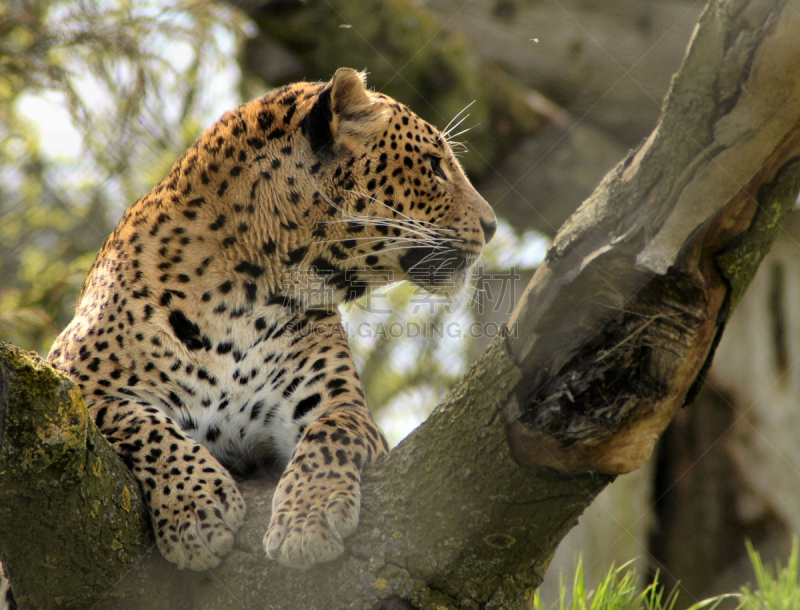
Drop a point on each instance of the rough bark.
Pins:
(603, 349)
(63, 490)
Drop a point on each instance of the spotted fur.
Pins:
(207, 340)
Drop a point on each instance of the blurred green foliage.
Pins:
(130, 76)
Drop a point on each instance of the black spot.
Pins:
(337, 252)
(175, 400)
(218, 223)
(250, 269)
(185, 330)
(305, 405)
(265, 119)
(268, 247)
(292, 387)
(256, 410)
(317, 124)
(212, 434)
(283, 301)
(327, 268)
(336, 383)
(295, 256)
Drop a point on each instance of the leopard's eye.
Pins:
(436, 165)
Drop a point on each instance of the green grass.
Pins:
(777, 588)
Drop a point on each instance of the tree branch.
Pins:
(63, 491)
(604, 346)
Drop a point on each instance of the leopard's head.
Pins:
(395, 198)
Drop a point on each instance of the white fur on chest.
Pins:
(248, 414)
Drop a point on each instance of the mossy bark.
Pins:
(605, 345)
(70, 511)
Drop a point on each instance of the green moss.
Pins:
(63, 490)
(775, 201)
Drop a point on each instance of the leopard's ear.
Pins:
(345, 110)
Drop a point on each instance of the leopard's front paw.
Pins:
(196, 515)
(311, 516)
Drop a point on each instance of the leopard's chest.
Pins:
(251, 390)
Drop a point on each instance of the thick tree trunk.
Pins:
(602, 350)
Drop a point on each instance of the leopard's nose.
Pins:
(489, 228)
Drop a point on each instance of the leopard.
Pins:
(208, 340)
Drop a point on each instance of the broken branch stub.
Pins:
(637, 286)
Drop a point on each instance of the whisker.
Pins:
(375, 219)
(395, 223)
(446, 130)
(352, 258)
(424, 259)
(449, 133)
(413, 220)
(463, 131)
(382, 222)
